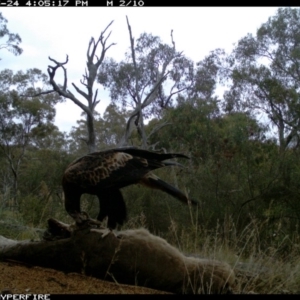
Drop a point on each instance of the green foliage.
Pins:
(235, 169)
(126, 84)
(13, 39)
(146, 80)
(264, 74)
(24, 119)
(109, 129)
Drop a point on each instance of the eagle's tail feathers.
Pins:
(155, 182)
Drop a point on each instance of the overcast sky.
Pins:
(56, 32)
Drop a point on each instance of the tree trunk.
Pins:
(91, 142)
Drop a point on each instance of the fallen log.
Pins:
(133, 257)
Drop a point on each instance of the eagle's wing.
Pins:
(154, 182)
(109, 168)
(150, 155)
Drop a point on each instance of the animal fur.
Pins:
(148, 260)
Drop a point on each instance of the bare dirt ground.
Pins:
(19, 279)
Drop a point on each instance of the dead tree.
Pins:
(133, 257)
(136, 118)
(87, 81)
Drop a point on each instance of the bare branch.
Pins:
(39, 94)
(172, 39)
(92, 41)
(64, 92)
(172, 94)
(158, 127)
(150, 97)
(82, 82)
(134, 62)
(95, 102)
(79, 91)
(88, 81)
(57, 63)
(93, 67)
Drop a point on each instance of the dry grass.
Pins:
(262, 265)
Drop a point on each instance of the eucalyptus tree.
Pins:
(23, 116)
(145, 81)
(265, 74)
(13, 39)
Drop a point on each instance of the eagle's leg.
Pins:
(112, 205)
(72, 206)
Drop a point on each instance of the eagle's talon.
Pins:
(86, 215)
(93, 222)
(83, 220)
(78, 217)
(104, 231)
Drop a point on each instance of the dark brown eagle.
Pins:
(104, 173)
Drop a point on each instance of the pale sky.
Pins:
(59, 31)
